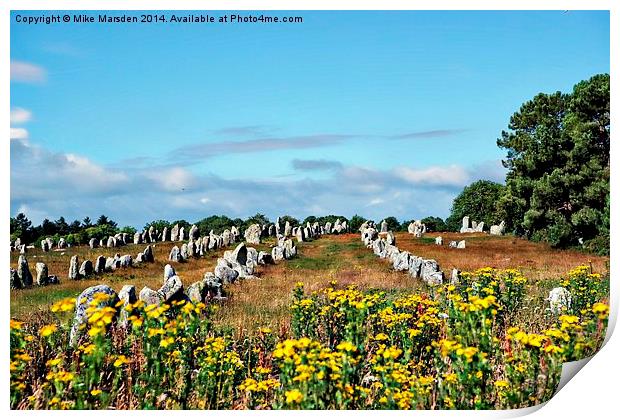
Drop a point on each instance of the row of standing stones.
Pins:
(235, 264)
(383, 244)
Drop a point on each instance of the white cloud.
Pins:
(453, 175)
(375, 201)
(20, 115)
(25, 72)
(173, 179)
(19, 133)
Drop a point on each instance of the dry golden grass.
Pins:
(264, 301)
(537, 261)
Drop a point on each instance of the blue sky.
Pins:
(374, 113)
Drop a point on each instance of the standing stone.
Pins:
(174, 233)
(402, 261)
(439, 240)
(264, 258)
(277, 253)
(498, 229)
(252, 255)
(168, 272)
(45, 246)
(430, 273)
(93, 243)
(86, 269)
(453, 244)
(83, 302)
(182, 234)
(42, 273)
(559, 300)
(74, 268)
(224, 272)
(197, 292)
(127, 295)
(112, 264)
(111, 242)
(390, 239)
(165, 235)
(137, 238)
(23, 271)
(193, 233)
(126, 261)
(415, 266)
(147, 254)
(99, 264)
(184, 252)
(101, 243)
(384, 226)
(465, 226)
(150, 296)
(455, 278)
(151, 234)
(461, 244)
(252, 234)
(300, 235)
(172, 289)
(16, 283)
(62, 243)
(287, 229)
(191, 249)
(175, 254)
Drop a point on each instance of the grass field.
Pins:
(265, 301)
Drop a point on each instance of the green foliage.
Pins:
(557, 186)
(479, 202)
(293, 221)
(158, 225)
(216, 223)
(434, 224)
(392, 223)
(355, 222)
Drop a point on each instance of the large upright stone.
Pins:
(86, 269)
(150, 296)
(62, 243)
(193, 233)
(172, 289)
(559, 300)
(126, 261)
(439, 240)
(99, 264)
(74, 268)
(23, 271)
(84, 301)
(300, 234)
(16, 282)
(93, 243)
(137, 238)
(184, 252)
(224, 271)
(287, 228)
(168, 272)
(252, 234)
(498, 229)
(111, 242)
(430, 273)
(42, 273)
(465, 226)
(147, 254)
(45, 246)
(384, 226)
(174, 233)
(182, 234)
(165, 234)
(175, 254)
